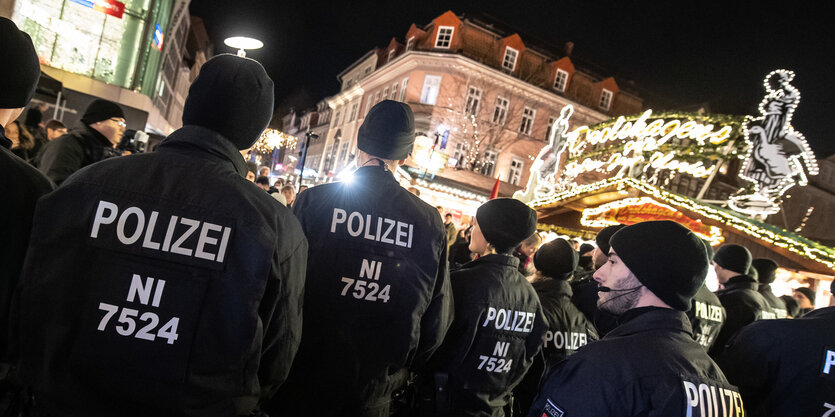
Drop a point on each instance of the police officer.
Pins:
(20, 184)
(649, 365)
(165, 283)
(739, 295)
(706, 313)
(498, 326)
(585, 288)
(377, 301)
(786, 367)
(568, 328)
(766, 274)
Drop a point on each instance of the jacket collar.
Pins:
(192, 138)
(644, 319)
(374, 172)
(498, 259)
(553, 286)
(740, 282)
(84, 129)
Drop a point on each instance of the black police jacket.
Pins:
(377, 299)
(743, 304)
(785, 367)
(778, 306)
(64, 155)
(498, 328)
(20, 187)
(706, 316)
(647, 366)
(161, 284)
(568, 330)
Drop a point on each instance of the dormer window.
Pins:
(605, 99)
(561, 81)
(509, 61)
(391, 55)
(444, 38)
(410, 44)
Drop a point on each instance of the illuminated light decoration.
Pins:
(457, 192)
(635, 210)
(778, 153)
(272, 139)
(792, 243)
(648, 140)
(542, 178)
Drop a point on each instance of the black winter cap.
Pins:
(232, 96)
(808, 292)
(734, 258)
(666, 257)
(388, 131)
(556, 259)
(766, 270)
(602, 238)
(505, 222)
(585, 247)
(19, 66)
(101, 109)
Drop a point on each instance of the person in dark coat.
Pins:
(766, 274)
(706, 313)
(792, 308)
(459, 252)
(649, 365)
(586, 263)
(568, 328)
(498, 326)
(20, 184)
(805, 298)
(164, 283)
(738, 294)
(378, 300)
(585, 287)
(101, 129)
(785, 367)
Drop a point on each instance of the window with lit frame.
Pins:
(514, 175)
(444, 39)
(500, 111)
(605, 99)
(561, 80)
(473, 100)
(410, 44)
(488, 163)
(528, 115)
(403, 89)
(510, 57)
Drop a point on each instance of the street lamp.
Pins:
(242, 43)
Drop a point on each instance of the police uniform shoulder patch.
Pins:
(551, 410)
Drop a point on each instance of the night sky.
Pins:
(678, 55)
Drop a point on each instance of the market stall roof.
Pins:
(464, 180)
(564, 210)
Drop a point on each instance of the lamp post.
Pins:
(307, 137)
(242, 43)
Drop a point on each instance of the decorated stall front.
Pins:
(630, 169)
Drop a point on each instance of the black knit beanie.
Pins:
(666, 257)
(604, 235)
(101, 109)
(808, 292)
(585, 248)
(766, 270)
(232, 96)
(734, 258)
(556, 259)
(388, 131)
(19, 66)
(505, 222)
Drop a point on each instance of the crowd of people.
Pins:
(180, 282)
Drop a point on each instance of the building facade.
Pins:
(484, 101)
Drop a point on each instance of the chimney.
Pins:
(569, 46)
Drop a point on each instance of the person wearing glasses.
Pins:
(100, 130)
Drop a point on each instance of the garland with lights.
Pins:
(271, 139)
(767, 233)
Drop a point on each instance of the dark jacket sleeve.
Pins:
(61, 159)
(438, 316)
(746, 364)
(281, 310)
(578, 388)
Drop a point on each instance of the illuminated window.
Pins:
(514, 175)
(473, 100)
(336, 119)
(500, 112)
(605, 99)
(444, 38)
(460, 152)
(393, 95)
(550, 126)
(354, 111)
(561, 81)
(410, 44)
(403, 89)
(527, 120)
(385, 93)
(509, 62)
(488, 163)
(431, 86)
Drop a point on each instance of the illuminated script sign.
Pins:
(629, 147)
(778, 152)
(635, 210)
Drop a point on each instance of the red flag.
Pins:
(495, 192)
